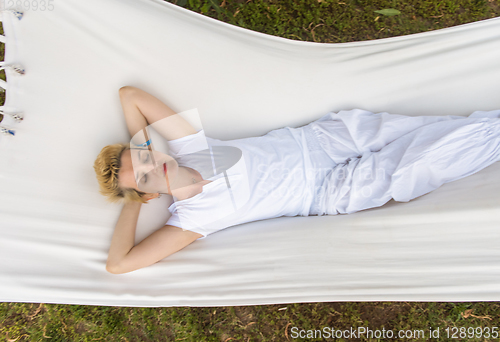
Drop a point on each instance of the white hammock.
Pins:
(55, 228)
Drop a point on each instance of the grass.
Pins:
(324, 21)
(57, 322)
(340, 21)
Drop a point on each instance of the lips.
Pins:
(165, 168)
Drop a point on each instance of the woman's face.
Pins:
(148, 171)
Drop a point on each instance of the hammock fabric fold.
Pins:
(64, 67)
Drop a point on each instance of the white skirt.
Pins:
(374, 158)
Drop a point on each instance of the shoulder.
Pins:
(188, 144)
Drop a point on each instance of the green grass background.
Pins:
(326, 21)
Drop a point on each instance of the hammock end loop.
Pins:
(17, 14)
(18, 117)
(7, 131)
(14, 67)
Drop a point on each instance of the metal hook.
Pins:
(17, 68)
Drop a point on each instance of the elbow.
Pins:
(126, 91)
(113, 269)
(117, 269)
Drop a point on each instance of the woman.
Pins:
(341, 163)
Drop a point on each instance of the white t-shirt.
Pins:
(272, 179)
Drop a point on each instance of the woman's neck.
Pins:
(185, 179)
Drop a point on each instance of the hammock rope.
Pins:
(16, 117)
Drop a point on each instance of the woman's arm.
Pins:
(124, 257)
(124, 235)
(142, 109)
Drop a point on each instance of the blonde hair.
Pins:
(106, 166)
